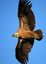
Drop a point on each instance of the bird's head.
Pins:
(16, 35)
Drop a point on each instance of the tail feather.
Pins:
(39, 34)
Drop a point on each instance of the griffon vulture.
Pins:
(26, 34)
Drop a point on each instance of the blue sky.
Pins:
(9, 24)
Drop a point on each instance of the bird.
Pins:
(26, 33)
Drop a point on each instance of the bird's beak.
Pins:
(15, 35)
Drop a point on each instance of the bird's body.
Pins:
(25, 33)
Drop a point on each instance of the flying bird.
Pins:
(26, 34)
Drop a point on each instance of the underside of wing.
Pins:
(22, 50)
(26, 15)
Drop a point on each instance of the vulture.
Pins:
(26, 33)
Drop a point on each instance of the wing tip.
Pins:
(23, 6)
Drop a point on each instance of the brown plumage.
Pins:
(22, 49)
(25, 33)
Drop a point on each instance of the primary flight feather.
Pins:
(26, 33)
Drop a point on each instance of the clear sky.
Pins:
(9, 24)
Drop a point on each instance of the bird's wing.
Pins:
(25, 14)
(23, 47)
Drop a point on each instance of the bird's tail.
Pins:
(38, 35)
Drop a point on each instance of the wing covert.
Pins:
(24, 10)
(22, 50)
